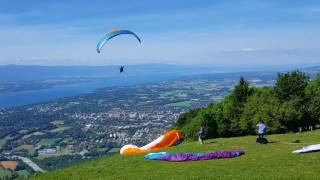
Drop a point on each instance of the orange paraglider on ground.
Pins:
(171, 138)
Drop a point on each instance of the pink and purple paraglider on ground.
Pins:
(182, 157)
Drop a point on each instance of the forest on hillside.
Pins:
(292, 104)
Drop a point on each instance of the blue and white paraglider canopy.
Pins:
(111, 35)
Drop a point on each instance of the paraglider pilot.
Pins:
(261, 129)
(107, 36)
(201, 134)
(121, 68)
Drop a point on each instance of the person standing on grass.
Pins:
(201, 134)
(261, 129)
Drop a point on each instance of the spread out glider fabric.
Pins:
(311, 148)
(169, 139)
(182, 157)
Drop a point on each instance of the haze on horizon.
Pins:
(246, 33)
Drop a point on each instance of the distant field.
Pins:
(23, 173)
(2, 142)
(47, 142)
(28, 148)
(173, 94)
(59, 129)
(33, 134)
(180, 104)
(114, 150)
(271, 161)
(57, 122)
(4, 173)
(102, 149)
(68, 141)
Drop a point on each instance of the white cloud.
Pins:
(251, 49)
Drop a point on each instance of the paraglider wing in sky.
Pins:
(113, 34)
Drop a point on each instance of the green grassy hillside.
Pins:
(271, 161)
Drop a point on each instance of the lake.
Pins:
(20, 98)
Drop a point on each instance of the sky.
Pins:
(213, 32)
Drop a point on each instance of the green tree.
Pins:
(291, 114)
(221, 123)
(263, 105)
(231, 113)
(242, 91)
(313, 95)
(294, 102)
(186, 118)
(291, 84)
(190, 130)
(208, 119)
(233, 106)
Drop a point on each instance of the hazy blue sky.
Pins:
(225, 32)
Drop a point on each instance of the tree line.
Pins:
(292, 104)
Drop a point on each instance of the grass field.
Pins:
(271, 161)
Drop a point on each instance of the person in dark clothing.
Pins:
(201, 134)
(121, 68)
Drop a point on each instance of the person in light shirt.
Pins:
(261, 129)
